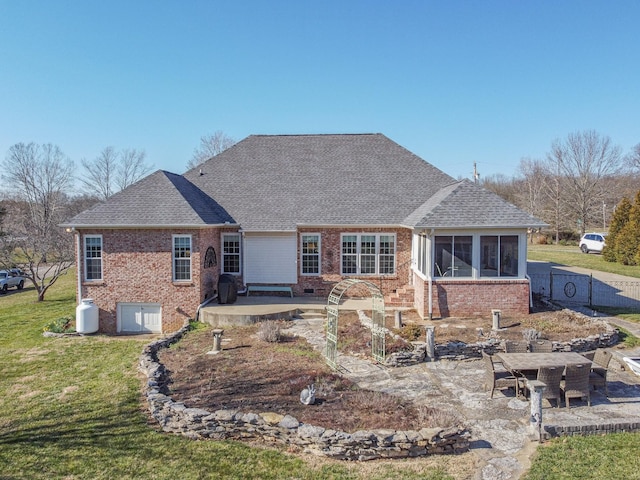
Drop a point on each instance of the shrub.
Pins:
(60, 325)
(530, 334)
(430, 417)
(269, 332)
(411, 332)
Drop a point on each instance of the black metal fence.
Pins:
(574, 288)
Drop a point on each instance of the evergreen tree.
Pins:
(619, 220)
(627, 244)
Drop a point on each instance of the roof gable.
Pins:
(466, 205)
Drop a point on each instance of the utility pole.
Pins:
(476, 175)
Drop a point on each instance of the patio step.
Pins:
(312, 313)
(402, 297)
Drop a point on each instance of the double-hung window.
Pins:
(368, 254)
(181, 258)
(310, 253)
(231, 253)
(499, 256)
(93, 257)
(453, 256)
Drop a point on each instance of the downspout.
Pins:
(430, 270)
(213, 297)
(430, 298)
(79, 272)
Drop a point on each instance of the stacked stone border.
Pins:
(196, 423)
(613, 426)
(464, 351)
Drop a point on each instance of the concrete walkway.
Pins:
(501, 436)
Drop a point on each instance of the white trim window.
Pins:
(367, 254)
(499, 256)
(453, 255)
(231, 250)
(181, 258)
(310, 254)
(92, 257)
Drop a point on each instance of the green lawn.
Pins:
(572, 256)
(71, 409)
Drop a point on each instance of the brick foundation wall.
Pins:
(472, 298)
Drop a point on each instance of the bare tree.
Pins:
(112, 171)
(210, 146)
(131, 167)
(38, 175)
(632, 160)
(100, 173)
(501, 185)
(583, 160)
(534, 180)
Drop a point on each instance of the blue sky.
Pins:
(454, 82)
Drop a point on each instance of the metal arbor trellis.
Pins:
(377, 327)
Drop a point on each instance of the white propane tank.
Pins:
(87, 317)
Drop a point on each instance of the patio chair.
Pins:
(497, 380)
(576, 383)
(541, 346)
(515, 347)
(598, 375)
(551, 377)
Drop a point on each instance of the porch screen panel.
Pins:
(462, 256)
(509, 256)
(499, 256)
(443, 258)
(489, 256)
(453, 256)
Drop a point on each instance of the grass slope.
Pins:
(573, 257)
(71, 408)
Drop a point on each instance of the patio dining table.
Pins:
(526, 362)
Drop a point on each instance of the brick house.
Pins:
(302, 211)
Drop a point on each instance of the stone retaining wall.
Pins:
(465, 351)
(613, 426)
(197, 423)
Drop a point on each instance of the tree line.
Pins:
(578, 185)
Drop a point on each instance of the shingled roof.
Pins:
(276, 182)
(162, 199)
(464, 204)
(279, 182)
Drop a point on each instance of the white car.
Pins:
(592, 242)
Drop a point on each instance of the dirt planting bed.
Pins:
(252, 375)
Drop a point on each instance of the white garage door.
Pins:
(270, 258)
(139, 318)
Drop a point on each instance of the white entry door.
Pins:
(139, 318)
(270, 258)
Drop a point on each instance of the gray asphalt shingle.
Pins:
(278, 182)
(161, 199)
